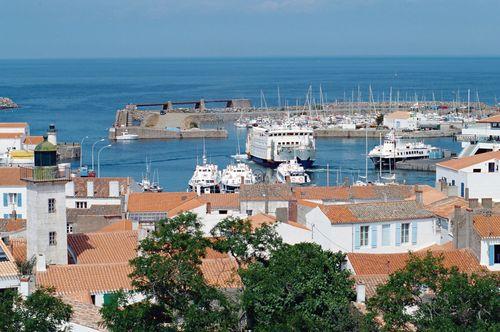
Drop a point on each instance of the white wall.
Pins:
(7, 144)
(260, 206)
(292, 235)
(485, 254)
(71, 201)
(8, 209)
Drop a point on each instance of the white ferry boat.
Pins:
(293, 172)
(272, 145)
(206, 178)
(395, 149)
(125, 136)
(236, 174)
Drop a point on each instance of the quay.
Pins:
(375, 133)
(68, 150)
(421, 165)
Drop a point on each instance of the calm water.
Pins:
(81, 97)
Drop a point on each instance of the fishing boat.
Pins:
(150, 185)
(125, 136)
(395, 149)
(234, 175)
(274, 144)
(292, 172)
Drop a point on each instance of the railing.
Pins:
(45, 173)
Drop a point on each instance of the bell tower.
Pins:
(46, 217)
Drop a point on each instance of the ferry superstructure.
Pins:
(292, 172)
(395, 149)
(275, 144)
(206, 178)
(481, 136)
(234, 175)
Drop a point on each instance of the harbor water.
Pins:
(81, 97)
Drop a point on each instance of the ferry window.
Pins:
(363, 235)
(405, 233)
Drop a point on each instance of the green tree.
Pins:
(237, 237)
(430, 297)
(167, 272)
(300, 288)
(41, 312)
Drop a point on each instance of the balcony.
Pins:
(45, 174)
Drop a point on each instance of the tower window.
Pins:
(52, 238)
(52, 205)
(81, 205)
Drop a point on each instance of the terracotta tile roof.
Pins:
(298, 225)
(157, 202)
(101, 186)
(12, 225)
(487, 226)
(95, 210)
(491, 119)
(371, 282)
(264, 191)
(221, 272)
(377, 264)
(439, 247)
(445, 207)
(260, 219)
(398, 115)
(93, 278)
(101, 248)
(8, 267)
(186, 206)
(10, 135)
(222, 201)
(430, 194)
(17, 247)
(84, 313)
(33, 140)
(343, 193)
(307, 203)
(11, 177)
(13, 124)
(460, 163)
(122, 225)
(373, 212)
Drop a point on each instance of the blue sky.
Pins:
(199, 28)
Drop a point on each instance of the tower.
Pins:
(52, 134)
(46, 213)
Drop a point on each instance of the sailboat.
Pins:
(150, 185)
(239, 157)
(364, 181)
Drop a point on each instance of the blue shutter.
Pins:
(19, 216)
(374, 236)
(356, 237)
(6, 216)
(398, 234)
(414, 232)
(5, 199)
(492, 255)
(19, 200)
(386, 235)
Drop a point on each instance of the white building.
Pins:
(9, 278)
(479, 137)
(488, 230)
(476, 176)
(84, 192)
(12, 193)
(400, 120)
(386, 227)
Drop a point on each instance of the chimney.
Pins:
(70, 189)
(473, 203)
(468, 226)
(466, 194)
(209, 208)
(419, 197)
(487, 203)
(457, 212)
(360, 293)
(292, 210)
(282, 214)
(41, 266)
(25, 286)
(114, 189)
(90, 188)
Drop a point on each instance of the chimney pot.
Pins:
(487, 203)
(473, 203)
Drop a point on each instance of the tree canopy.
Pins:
(41, 312)
(430, 297)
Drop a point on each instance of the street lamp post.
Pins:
(99, 159)
(93, 145)
(81, 151)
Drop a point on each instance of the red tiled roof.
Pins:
(260, 219)
(122, 225)
(460, 163)
(7, 268)
(346, 193)
(13, 124)
(103, 248)
(487, 226)
(491, 119)
(10, 135)
(11, 177)
(12, 225)
(398, 115)
(157, 202)
(371, 282)
(430, 195)
(266, 191)
(376, 264)
(222, 201)
(17, 247)
(221, 272)
(445, 208)
(84, 312)
(33, 140)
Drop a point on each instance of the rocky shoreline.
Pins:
(6, 103)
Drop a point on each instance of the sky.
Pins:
(247, 28)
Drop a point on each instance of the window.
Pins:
(491, 167)
(363, 235)
(386, 235)
(52, 205)
(81, 205)
(476, 170)
(249, 212)
(222, 211)
(52, 238)
(497, 254)
(69, 228)
(405, 233)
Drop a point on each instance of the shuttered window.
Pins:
(386, 235)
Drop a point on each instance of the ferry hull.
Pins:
(390, 163)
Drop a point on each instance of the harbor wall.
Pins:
(149, 133)
(375, 133)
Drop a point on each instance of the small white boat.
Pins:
(292, 172)
(233, 176)
(125, 136)
(206, 177)
(150, 185)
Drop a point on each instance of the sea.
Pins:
(81, 96)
